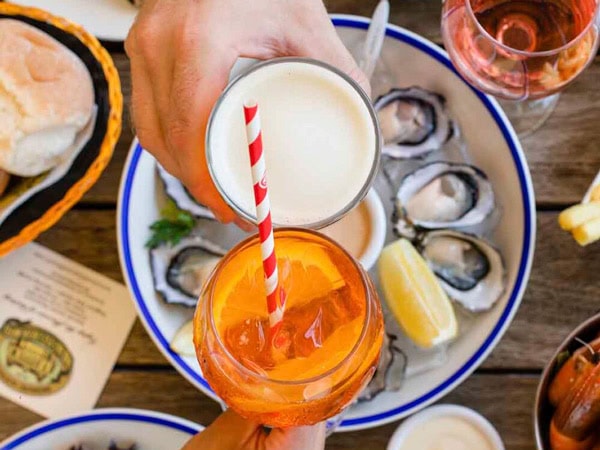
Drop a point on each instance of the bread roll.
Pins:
(46, 98)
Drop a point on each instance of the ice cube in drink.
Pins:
(323, 317)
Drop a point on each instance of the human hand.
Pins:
(181, 54)
(232, 432)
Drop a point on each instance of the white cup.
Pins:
(427, 414)
(378, 222)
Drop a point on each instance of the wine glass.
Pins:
(521, 51)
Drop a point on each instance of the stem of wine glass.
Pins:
(528, 115)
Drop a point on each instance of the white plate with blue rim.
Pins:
(407, 59)
(102, 428)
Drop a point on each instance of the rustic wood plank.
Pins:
(422, 17)
(563, 291)
(506, 400)
(107, 188)
(88, 237)
(564, 153)
(140, 350)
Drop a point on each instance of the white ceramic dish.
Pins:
(378, 222)
(494, 147)
(148, 429)
(437, 411)
(108, 20)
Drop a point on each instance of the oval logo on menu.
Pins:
(32, 360)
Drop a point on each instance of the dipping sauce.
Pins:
(446, 433)
(353, 231)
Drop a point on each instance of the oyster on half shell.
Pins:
(180, 271)
(443, 195)
(413, 121)
(390, 372)
(470, 269)
(177, 192)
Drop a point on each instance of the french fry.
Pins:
(588, 232)
(579, 214)
(595, 194)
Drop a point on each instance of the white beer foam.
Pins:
(318, 137)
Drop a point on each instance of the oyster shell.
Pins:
(390, 372)
(180, 271)
(469, 268)
(114, 446)
(177, 192)
(443, 195)
(413, 121)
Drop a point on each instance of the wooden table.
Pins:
(564, 288)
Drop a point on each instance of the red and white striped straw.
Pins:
(263, 214)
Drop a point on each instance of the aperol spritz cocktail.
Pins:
(326, 349)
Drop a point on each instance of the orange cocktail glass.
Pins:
(327, 347)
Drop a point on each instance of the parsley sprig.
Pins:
(174, 225)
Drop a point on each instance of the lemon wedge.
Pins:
(577, 215)
(415, 296)
(183, 341)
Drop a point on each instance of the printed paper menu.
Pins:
(62, 327)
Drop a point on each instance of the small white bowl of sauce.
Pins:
(446, 427)
(362, 231)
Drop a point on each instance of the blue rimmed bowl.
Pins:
(409, 60)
